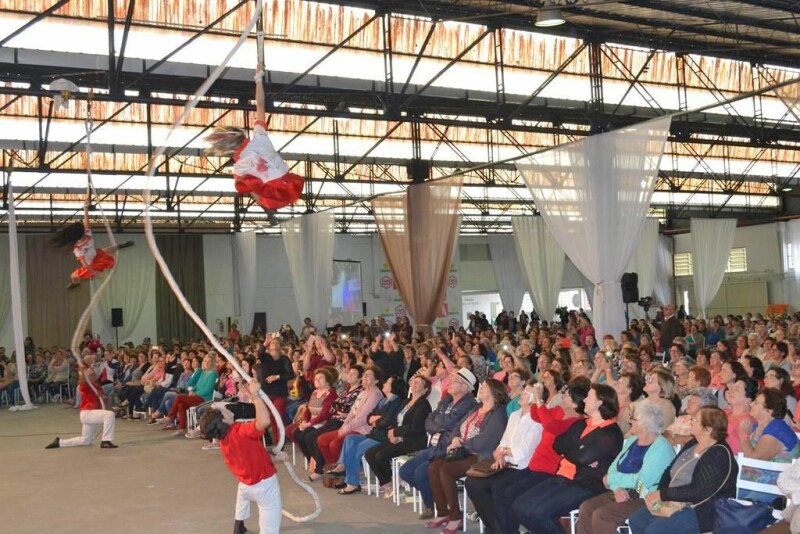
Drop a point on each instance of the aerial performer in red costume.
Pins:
(258, 169)
(93, 261)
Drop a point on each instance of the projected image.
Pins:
(346, 296)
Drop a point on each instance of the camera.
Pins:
(386, 335)
(645, 303)
(609, 355)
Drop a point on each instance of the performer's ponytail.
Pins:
(68, 235)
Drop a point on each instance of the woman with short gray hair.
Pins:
(635, 471)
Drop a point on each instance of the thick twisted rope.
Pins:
(170, 279)
(95, 300)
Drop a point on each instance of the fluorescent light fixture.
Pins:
(786, 189)
(549, 16)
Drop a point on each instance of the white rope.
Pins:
(151, 242)
(95, 300)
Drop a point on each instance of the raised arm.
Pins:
(325, 350)
(262, 412)
(86, 213)
(260, 98)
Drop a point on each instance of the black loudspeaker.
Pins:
(116, 317)
(259, 322)
(364, 309)
(630, 288)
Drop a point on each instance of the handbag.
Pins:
(459, 453)
(484, 469)
(734, 517)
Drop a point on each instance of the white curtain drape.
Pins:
(5, 281)
(664, 271)
(309, 246)
(16, 301)
(133, 281)
(245, 261)
(542, 261)
(793, 238)
(594, 195)
(644, 261)
(712, 240)
(507, 271)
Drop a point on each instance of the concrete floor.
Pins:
(153, 483)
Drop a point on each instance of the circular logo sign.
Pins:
(400, 311)
(452, 281)
(453, 323)
(386, 282)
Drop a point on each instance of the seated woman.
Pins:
(513, 453)
(474, 439)
(383, 417)
(629, 387)
(169, 396)
(587, 448)
(203, 392)
(660, 389)
(636, 470)
(544, 462)
(740, 397)
(703, 472)
(307, 439)
(320, 404)
(37, 373)
(131, 395)
(770, 438)
(680, 431)
(778, 378)
(516, 384)
(552, 383)
(179, 381)
(407, 436)
(329, 445)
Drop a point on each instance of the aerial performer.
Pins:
(94, 416)
(93, 261)
(243, 451)
(258, 171)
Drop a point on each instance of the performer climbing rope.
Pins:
(93, 261)
(170, 279)
(258, 170)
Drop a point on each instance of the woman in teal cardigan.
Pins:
(635, 472)
(203, 391)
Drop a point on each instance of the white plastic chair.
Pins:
(765, 465)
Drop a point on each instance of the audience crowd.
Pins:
(541, 418)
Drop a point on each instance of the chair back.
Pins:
(764, 465)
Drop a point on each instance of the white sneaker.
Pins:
(193, 434)
(211, 446)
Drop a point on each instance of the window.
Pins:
(737, 262)
(683, 264)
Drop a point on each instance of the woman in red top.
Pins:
(258, 171)
(93, 261)
(244, 453)
(92, 413)
(512, 482)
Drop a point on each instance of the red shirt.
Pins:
(545, 459)
(245, 455)
(89, 399)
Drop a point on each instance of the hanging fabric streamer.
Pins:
(16, 305)
(170, 279)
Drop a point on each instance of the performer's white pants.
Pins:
(91, 421)
(267, 494)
